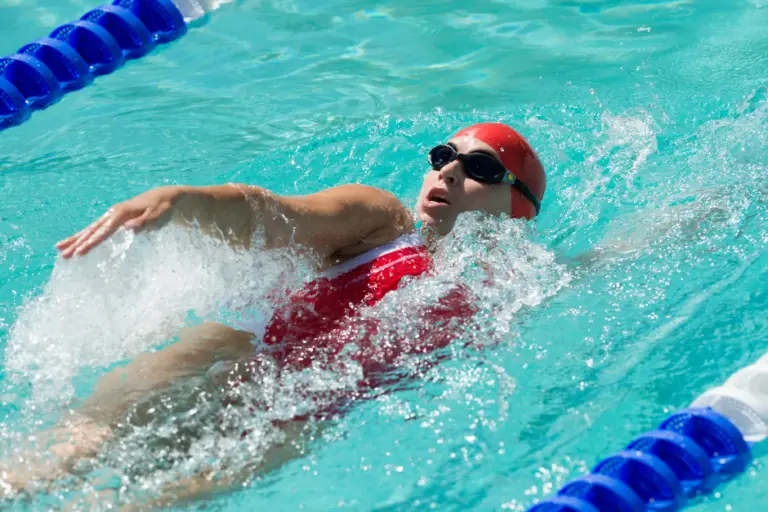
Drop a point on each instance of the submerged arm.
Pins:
(326, 221)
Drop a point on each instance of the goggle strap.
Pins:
(520, 186)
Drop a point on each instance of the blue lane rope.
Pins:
(100, 42)
(690, 453)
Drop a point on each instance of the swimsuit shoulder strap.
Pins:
(408, 240)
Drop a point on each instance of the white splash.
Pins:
(131, 293)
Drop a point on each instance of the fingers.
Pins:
(63, 244)
(132, 216)
(69, 246)
(68, 242)
(153, 217)
(82, 242)
(139, 222)
(95, 235)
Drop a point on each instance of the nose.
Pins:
(450, 173)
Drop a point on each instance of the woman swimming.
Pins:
(366, 243)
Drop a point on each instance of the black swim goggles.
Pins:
(480, 167)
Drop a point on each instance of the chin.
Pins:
(441, 226)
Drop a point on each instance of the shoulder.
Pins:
(377, 216)
(362, 193)
(342, 218)
(358, 199)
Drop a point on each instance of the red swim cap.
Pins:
(518, 157)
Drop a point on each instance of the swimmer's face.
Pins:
(448, 192)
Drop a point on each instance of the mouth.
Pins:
(437, 197)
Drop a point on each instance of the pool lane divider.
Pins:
(100, 42)
(688, 455)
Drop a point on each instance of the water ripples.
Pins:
(637, 288)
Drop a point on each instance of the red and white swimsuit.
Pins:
(321, 319)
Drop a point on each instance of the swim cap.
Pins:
(518, 157)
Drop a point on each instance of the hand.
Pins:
(149, 208)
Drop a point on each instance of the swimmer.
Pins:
(356, 231)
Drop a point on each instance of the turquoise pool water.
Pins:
(640, 286)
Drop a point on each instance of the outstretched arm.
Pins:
(327, 221)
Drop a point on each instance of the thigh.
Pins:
(196, 350)
(202, 345)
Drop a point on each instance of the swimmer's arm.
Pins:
(333, 219)
(327, 221)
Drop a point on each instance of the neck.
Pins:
(431, 237)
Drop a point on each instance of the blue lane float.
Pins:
(100, 42)
(690, 453)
